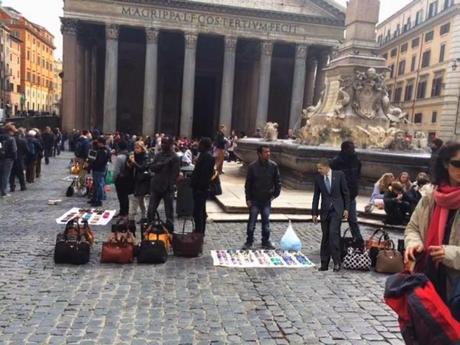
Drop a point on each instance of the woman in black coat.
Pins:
(139, 162)
(396, 208)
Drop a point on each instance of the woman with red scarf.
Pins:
(433, 233)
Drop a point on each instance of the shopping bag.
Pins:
(109, 177)
(290, 241)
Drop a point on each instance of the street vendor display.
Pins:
(94, 216)
(260, 259)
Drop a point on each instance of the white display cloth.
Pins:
(260, 259)
(91, 215)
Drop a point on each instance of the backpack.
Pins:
(80, 149)
(31, 148)
(3, 144)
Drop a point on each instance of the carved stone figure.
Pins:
(270, 131)
(420, 141)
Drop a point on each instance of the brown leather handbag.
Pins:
(389, 260)
(189, 245)
(119, 249)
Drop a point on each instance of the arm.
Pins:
(375, 194)
(119, 161)
(277, 183)
(316, 194)
(248, 184)
(413, 235)
(452, 256)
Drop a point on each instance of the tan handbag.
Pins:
(389, 260)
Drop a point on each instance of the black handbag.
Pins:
(189, 245)
(215, 188)
(70, 190)
(348, 242)
(152, 252)
(71, 246)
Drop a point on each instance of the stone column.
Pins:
(298, 86)
(87, 88)
(264, 83)
(150, 82)
(310, 82)
(320, 76)
(69, 105)
(93, 81)
(111, 78)
(228, 79)
(188, 85)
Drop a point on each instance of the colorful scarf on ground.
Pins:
(447, 198)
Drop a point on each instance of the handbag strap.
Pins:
(73, 224)
(185, 222)
(376, 232)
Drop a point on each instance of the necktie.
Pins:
(328, 184)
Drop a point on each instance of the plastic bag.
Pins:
(290, 240)
(108, 177)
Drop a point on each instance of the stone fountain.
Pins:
(354, 106)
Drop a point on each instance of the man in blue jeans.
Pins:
(98, 166)
(262, 185)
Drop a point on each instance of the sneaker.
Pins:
(268, 245)
(247, 246)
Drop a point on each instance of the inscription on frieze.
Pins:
(211, 20)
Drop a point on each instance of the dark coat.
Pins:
(21, 144)
(165, 168)
(11, 150)
(262, 181)
(220, 141)
(351, 167)
(141, 175)
(338, 199)
(203, 172)
(48, 140)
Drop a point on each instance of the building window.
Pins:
(426, 58)
(404, 48)
(393, 52)
(28, 55)
(402, 67)
(392, 67)
(433, 9)
(448, 3)
(436, 86)
(418, 17)
(408, 92)
(421, 89)
(398, 93)
(415, 42)
(418, 118)
(434, 116)
(442, 52)
(429, 36)
(407, 25)
(444, 29)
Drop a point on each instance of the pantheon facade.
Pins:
(185, 66)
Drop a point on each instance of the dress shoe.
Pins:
(268, 245)
(337, 267)
(246, 246)
(323, 268)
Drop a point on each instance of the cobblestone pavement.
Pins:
(185, 301)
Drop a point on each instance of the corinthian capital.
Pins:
(230, 43)
(267, 48)
(151, 35)
(190, 40)
(69, 26)
(112, 31)
(301, 51)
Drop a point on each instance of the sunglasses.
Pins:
(455, 163)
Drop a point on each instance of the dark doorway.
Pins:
(204, 107)
(131, 67)
(209, 61)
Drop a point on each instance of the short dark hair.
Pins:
(324, 162)
(347, 145)
(122, 145)
(445, 153)
(262, 147)
(437, 142)
(205, 143)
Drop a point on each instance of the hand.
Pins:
(345, 214)
(249, 203)
(315, 219)
(409, 254)
(437, 253)
(399, 197)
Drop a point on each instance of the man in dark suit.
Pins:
(335, 203)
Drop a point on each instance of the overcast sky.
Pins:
(47, 13)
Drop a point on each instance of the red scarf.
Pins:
(447, 198)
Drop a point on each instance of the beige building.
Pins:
(420, 44)
(184, 67)
(57, 86)
(14, 74)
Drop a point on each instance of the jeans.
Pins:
(5, 170)
(168, 199)
(99, 183)
(353, 223)
(199, 210)
(135, 203)
(264, 209)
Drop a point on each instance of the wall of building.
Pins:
(15, 75)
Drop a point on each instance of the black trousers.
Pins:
(168, 199)
(17, 171)
(30, 171)
(123, 190)
(330, 241)
(199, 210)
(48, 154)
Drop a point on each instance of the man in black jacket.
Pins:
(8, 154)
(201, 179)
(98, 166)
(48, 138)
(331, 186)
(347, 161)
(18, 165)
(262, 185)
(166, 168)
